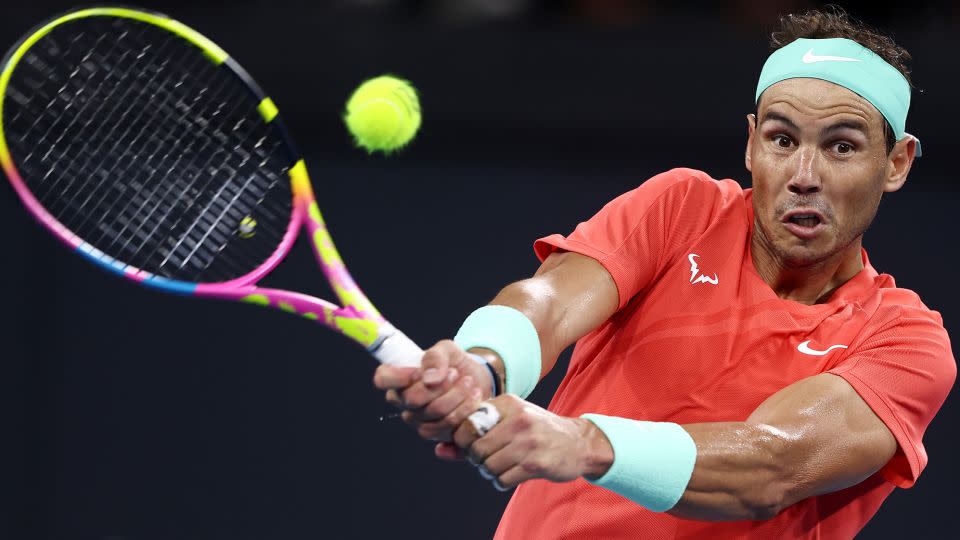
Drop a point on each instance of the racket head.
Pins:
(141, 144)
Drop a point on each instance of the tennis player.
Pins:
(741, 369)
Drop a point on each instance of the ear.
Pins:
(751, 129)
(899, 162)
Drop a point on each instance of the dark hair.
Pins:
(833, 22)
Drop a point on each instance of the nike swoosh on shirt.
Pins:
(805, 348)
(810, 58)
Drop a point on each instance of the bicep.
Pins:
(834, 439)
(569, 296)
(583, 292)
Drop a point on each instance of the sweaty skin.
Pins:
(815, 146)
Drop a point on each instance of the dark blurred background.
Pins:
(128, 414)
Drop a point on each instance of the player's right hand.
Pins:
(439, 395)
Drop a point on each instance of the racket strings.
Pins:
(138, 144)
(188, 240)
(107, 168)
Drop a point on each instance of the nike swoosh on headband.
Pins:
(810, 58)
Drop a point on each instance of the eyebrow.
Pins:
(774, 117)
(842, 124)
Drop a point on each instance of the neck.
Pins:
(811, 284)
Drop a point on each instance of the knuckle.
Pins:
(513, 400)
(530, 444)
(533, 466)
(524, 419)
(429, 359)
(467, 381)
(447, 345)
(434, 354)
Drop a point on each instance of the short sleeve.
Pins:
(904, 373)
(637, 235)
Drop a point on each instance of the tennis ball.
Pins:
(383, 114)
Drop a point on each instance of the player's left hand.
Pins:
(529, 442)
(440, 394)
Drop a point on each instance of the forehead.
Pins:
(817, 99)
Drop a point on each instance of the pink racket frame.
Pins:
(357, 319)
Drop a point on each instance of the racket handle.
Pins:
(396, 348)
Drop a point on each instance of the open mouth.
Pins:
(804, 220)
(804, 224)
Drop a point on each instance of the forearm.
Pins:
(752, 471)
(742, 471)
(815, 436)
(729, 471)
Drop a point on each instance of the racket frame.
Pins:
(355, 318)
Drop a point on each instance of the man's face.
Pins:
(819, 164)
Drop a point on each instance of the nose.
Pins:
(805, 179)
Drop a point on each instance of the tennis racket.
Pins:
(148, 150)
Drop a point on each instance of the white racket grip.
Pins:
(396, 348)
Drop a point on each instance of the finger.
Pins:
(442, 430)
(483, 448)
(445, 404)
(453, 407)
(387, 377)
(419, 395)
(498, 461)
(437, 360)
(448, 451)
(512, 478)
(466, 408)
(485, 472)
(500, 486)
(393, 398)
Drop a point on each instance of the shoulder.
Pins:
(903, 321)
(896, 303)
(693, 179)
(687, 187)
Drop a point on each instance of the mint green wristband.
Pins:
(652, 461)
(513, 337)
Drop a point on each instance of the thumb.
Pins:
(436, 362)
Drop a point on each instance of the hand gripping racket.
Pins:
(145, 148)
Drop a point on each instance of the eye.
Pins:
(843, 148)
(782, 141)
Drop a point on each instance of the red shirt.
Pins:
(700, 337)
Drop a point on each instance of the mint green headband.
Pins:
(849, 64)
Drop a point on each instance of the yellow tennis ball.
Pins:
(383, 114)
